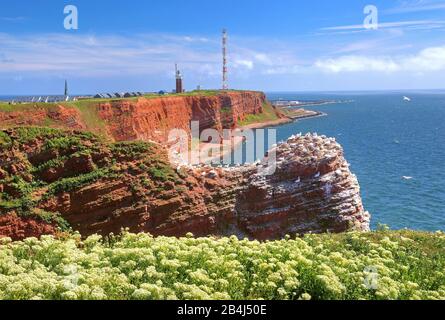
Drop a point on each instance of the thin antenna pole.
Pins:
(225, 85)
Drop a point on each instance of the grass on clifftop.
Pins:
(88, 108)
(6, 107)
(377, 265)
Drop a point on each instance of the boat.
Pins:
(405, 98)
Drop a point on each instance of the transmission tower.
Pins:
(225, 85)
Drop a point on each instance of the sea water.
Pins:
(396, 148)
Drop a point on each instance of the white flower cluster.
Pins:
(407, 265)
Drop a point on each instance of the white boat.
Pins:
(405, 98)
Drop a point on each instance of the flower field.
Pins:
(377, 265)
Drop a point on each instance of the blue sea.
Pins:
(396, 148)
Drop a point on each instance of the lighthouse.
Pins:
(66, 89)
(179, 87)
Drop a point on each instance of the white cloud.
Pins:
(244, 63)
(417, 7)
(12, 19)
(387, 25)
(291, 69)
(263, 58)
(357, 63)
(145, 54)
(90, 55)
(429, 59)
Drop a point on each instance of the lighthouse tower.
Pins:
(179, 87)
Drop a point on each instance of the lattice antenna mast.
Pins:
(225, 85)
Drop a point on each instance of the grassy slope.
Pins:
(269, 114)
(395, 264)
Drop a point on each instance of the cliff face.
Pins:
(147, 119)
(101, 188)
(152, 119)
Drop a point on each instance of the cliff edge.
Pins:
(148, 118)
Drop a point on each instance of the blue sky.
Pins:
(280, 45)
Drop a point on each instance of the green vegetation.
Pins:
(226, 110)
(85, 104)
(62, 143)
(6, 107)
(47, 162)
(132, 150)
(70, 184)
(161, 170)
(26, 134)
(52, 218)
(377, 265)
(5, 140)
(202, 93)
(269, 114)
(53, 163)
(88, 111)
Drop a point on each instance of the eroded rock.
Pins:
(311, 190)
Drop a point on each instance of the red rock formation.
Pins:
(312, 190)
(153, 118)
(18, 228)
(146, 119)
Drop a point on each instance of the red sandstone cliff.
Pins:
(153, 118)
(101, 188)
(149, 118)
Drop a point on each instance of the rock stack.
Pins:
(312, 190)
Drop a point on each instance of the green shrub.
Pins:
(133, 149)
(5, 140)
(63, 143)
(69, 184)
